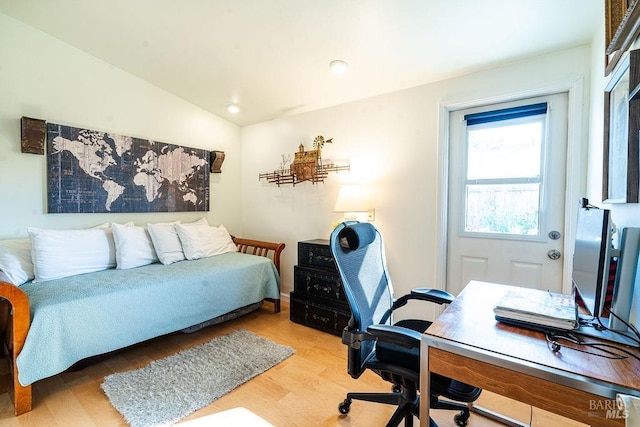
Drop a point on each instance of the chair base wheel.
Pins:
(345, 406)
(461, 419)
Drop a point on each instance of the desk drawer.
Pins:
(313, 313)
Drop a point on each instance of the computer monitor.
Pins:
(625, 299)
(592, 257)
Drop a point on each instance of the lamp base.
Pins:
(368, 216)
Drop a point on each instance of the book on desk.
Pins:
(537, 309)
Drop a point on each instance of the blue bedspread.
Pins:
(91, 314)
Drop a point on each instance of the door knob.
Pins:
(554, 254)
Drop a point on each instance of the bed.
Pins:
(60, 322)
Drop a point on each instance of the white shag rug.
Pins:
(167, 390)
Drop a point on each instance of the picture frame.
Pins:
(620, 150)
(614, 11)
(622, 27)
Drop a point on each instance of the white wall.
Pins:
(44, 78)
(392, 143)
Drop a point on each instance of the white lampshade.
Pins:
(356, 200)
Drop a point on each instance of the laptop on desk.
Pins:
(534, 326)
(555, 313)
(536, 309)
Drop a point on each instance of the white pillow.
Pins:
(5, 278)
(201, 222)
(62, 253)
(16, 265)
(112, 245)
(201, 241)
(133, 247)
(166, 242)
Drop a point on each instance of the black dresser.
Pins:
(318, 299)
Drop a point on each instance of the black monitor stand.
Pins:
(588, 328)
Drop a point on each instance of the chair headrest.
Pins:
(357, 236)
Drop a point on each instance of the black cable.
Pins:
(596, 323)
(602, 326)
(552, 339)
(627, 324)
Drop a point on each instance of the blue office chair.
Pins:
(390, 350)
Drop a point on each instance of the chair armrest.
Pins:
(354, 338)
(404, 337)
(424, 294)
(434, 295)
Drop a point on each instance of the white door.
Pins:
(506, 199)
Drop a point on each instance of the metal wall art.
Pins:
(306, 166)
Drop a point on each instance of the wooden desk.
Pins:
(467, 343)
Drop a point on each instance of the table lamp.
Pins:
(356, 201)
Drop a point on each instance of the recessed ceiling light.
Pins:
(233, 108)
(338, 66)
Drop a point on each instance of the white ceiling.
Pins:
(272, 56)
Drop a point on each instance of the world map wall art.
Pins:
(90, 172)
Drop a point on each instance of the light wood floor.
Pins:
(304, 390)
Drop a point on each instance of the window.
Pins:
(503, 180)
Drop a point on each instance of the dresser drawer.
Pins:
(318, 283)
(313, 313)
(316, 253)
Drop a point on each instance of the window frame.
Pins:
(541, 180)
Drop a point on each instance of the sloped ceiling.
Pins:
(271, 57)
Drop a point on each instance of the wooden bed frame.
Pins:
(261, 248)
(15, 317)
